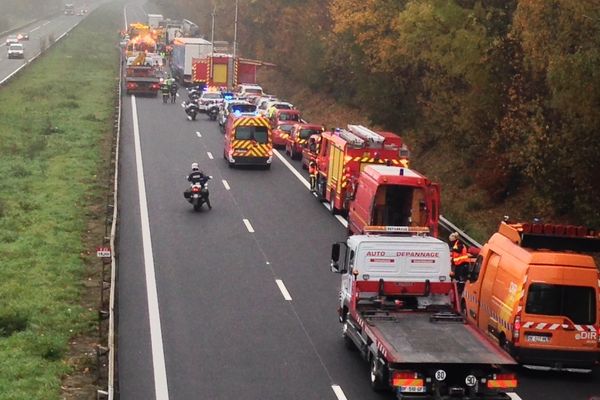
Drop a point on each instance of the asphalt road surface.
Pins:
(39, 34)
(237, 302)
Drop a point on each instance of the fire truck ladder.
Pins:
(366, 134)
(351, 138)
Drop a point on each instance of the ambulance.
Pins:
(534, 290)
(248, 140)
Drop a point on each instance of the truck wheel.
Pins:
(378, 376)
(332, 208)
(348, 343)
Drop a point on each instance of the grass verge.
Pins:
(56, 120)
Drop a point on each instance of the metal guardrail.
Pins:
(450, 227)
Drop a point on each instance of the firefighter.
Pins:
(460, 258)
(312, 172)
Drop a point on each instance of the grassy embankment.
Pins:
(56, 126)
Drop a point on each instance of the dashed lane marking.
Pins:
(248, 226)
(227, 187)
(35, 29)
(339, 393)
(198, 134)
(210, 155)
(514, 396)
(284, 291)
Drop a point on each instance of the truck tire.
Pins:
(348, 343)
(378, 376)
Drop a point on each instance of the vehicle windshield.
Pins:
(258, 133)
(285, 127)
(289, 117)
(243, 108)
(578, 303)
(305, 133)
(253, 91)
(16, 47)
(282, 106)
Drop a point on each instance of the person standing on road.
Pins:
(459, 256)
(173, 89)
(312, 172)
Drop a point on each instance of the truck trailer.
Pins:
(400, 309)
(185, 49)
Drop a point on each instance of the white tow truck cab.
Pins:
(399, 308)
(16, 50)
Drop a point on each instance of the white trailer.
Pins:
(154, 20)
(184, 50)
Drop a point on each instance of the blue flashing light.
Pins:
(237, 113)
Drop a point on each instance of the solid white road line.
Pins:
(305, 183)
(227, 187)
(248, 226)
(514, 396)
(210, 155)
(13, 73)
(289, 166)
(284, 291)
(339, 393)
(158, 353)
(198, 134)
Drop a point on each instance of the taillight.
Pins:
(195, 189)
(131, 85)
(406, 379)
(516, 333)
(502, 381)
(155, 86)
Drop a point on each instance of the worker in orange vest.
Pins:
(460, 258)
(312, 172)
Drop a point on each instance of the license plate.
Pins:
(412, 389)
(537, 339)
(195, 196)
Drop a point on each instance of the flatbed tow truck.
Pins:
(399, 308)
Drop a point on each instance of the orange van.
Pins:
(248, 140)
(534, 291)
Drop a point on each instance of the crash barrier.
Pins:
(106, 356)
(450, 227)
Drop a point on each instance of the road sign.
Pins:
(103, 252)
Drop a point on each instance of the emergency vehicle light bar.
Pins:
(395, 229)
(552, 237)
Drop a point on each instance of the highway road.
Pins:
(39, 34)
(238, 301)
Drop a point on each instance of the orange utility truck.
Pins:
(534, 291)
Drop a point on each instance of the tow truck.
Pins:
(141, 78)
(343, 154)
(400, 309)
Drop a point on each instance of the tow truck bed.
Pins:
(413, 338)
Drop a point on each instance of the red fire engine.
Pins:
(343, 154)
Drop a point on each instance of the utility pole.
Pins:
(212, 42)
(235, 30)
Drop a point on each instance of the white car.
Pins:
(12, 39)
(209, 98)
(16, 50)
(251, 92)
(229, 106)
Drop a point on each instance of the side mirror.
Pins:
(335, 252)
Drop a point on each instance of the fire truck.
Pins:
(343, 154)
(398, 196)
(400, 309)
(248, 140)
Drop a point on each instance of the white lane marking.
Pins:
(13, 73)
(248, 226)
(198, 134)
(514, 396)
(339, 393)
(284, 291)
(210, 155)
(303, 180)
(158, 353)
(35, 29)
(227, 187)
(45, 23)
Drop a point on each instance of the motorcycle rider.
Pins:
(197, 176)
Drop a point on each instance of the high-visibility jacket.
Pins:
(459, 253)
(312, 169)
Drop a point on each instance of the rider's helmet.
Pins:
(195, 166)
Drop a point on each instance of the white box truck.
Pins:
(184, 50)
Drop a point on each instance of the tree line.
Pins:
(512, 85)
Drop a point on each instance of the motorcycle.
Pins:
(194, 93)
(213, 112)
(191, 109)
(197, 194)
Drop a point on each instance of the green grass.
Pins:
(54, 119)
